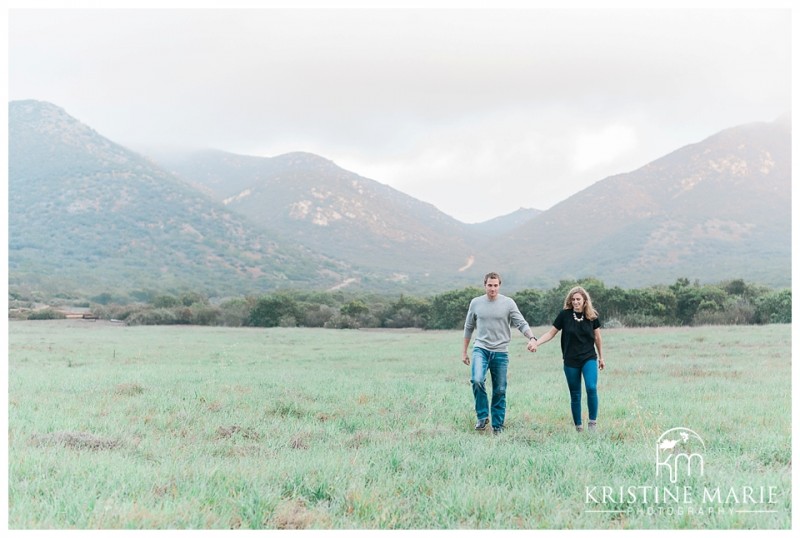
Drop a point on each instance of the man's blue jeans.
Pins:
(497, 364)
(573, 375)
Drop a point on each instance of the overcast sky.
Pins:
(477, 111)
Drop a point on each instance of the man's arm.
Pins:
(469, 326)
(518, 320)
(464, 355)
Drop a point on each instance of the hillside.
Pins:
(714, 210)
(499, 226)
(333, 211)
(87, 214)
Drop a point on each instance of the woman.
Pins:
(581, 335)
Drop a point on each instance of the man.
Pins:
(492, 315)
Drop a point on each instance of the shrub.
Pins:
(682, 303)
(613, 323)
(46, 313)
(736, 311)
(319, 315)
(268, 311)
(103, 298)
(116, 311)
(287, 321)
(234, 312)
(775, 307)
(205, 315)
(19, 314)
(165, 301)
(406, 312)
(354, 308)
(405, 317)
(641, 320)
(342, 321)
(155, 316)
(191, 298)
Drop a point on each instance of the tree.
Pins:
(103, 298)
(189, 298)
(649, 307)
(165, 301)
(688, 298)
(407, 312)
(270, 310)
(533, 306)
(354, 308)
(614, 303)
(449, 309)
(775, 307)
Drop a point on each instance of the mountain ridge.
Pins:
(87, 212)
(84, 211)
(329, 209)
(728, 194)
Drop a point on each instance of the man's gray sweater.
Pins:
(493, 320)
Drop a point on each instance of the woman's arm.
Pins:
(598, 343)
(546, 337)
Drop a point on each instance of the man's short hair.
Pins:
(492, 275)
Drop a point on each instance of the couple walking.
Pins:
(491, 316)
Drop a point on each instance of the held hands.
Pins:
(533, 345)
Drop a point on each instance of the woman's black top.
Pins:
(577, 337)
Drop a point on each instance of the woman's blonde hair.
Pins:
(588, 309)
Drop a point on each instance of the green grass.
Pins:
(199, 427)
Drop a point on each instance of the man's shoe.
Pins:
(481, 425)
(592, 425)
(578, 427)
(498, 430)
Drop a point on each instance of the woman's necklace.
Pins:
(576, 317)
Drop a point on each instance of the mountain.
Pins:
(715, 210)
(88, 214)
(334, 212)
(501, 225)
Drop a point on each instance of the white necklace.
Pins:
(576, 317)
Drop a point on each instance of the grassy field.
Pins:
(199, 427)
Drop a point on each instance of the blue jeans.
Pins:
(496, 363)
(573, 375)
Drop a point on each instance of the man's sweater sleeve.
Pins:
(517, 320)
(469, 323)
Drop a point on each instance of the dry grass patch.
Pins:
(75, 440)
(226, 432)
(294, 514)
(128, 389)
(299, 442)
